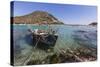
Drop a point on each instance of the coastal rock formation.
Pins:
(36, 17)
(93, 24)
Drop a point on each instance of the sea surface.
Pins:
(68, 37)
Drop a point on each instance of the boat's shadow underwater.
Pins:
(28, 40)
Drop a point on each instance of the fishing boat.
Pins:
(44, 39)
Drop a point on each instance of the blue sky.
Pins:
(67, 13)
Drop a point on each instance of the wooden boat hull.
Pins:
(44, 41)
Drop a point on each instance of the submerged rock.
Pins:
(33, 62)
(80, 54)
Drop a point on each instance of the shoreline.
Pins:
(56, 24)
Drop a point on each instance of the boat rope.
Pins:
(79, 59)
(61, 41)
(29, 57)
(37, 43)
(32, 53)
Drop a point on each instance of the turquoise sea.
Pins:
(68, 37)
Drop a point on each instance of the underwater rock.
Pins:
(54, 59)
(32, 62)
(79, 54)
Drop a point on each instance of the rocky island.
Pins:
(36, 17)
(93, 24)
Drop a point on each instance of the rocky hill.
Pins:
(36, 17)
(93, 24)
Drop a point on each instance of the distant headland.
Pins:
(93, 24)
